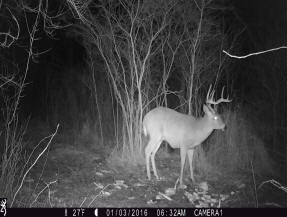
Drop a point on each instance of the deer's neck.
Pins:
(205, 125)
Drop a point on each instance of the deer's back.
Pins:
(174, 127)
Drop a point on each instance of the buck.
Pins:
(180, 131)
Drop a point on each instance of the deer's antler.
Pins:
(210, 97)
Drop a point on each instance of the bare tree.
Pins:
(127, 34)
(13, 80)
(145, 44)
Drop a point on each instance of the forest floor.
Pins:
(72, 176)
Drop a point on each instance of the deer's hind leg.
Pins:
(150, 150)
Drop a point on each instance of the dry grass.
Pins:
(233, 151)
(125, 159)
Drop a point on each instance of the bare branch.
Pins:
(253, 54)
(9, 38)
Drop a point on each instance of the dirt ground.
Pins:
(80, 177)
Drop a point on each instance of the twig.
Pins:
(49, 193)
(99, 194)
(254, 182)
(165, 196)
(7, 35)
(275, 183)
(83, 202)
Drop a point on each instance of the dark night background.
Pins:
(69, 85)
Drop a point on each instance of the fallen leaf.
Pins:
(99, 174)
(203, 186)
(151, 202)
(106, 171)
(170, 191)
(106, 193)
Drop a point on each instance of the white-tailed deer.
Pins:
(180, 131)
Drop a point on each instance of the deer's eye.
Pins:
(215, 118)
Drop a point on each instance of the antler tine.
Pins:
(222, 92)
(208, 92)
(222, 98)
(209, 96)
